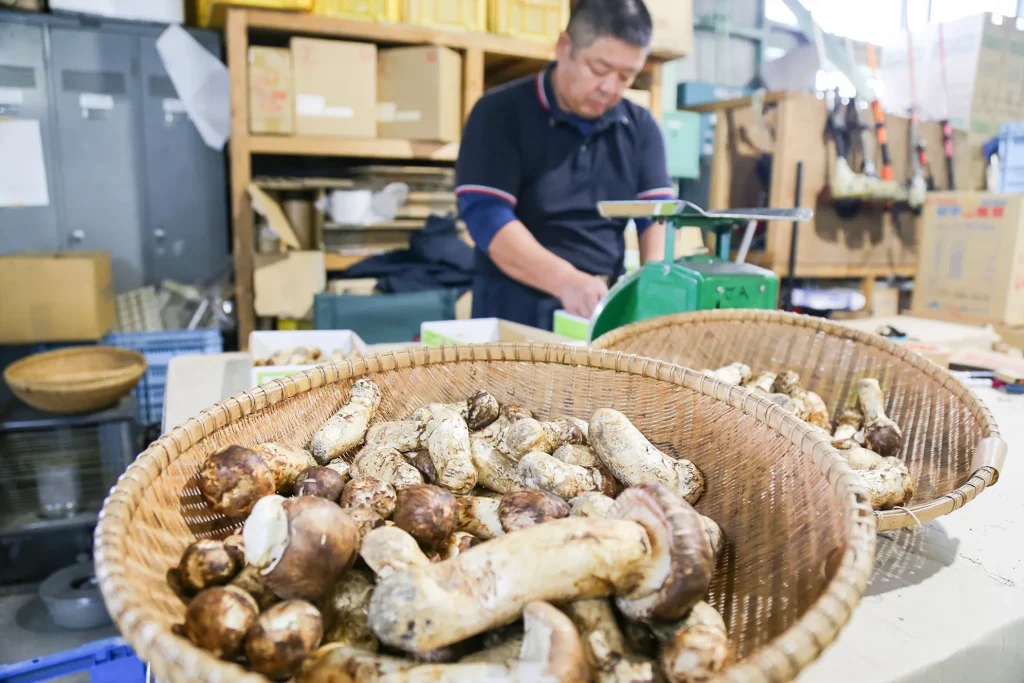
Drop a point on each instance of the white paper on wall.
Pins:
(22, 167)
(202, 84)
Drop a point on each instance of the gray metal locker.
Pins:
(24, 96)
(95, 85)
(185, 237)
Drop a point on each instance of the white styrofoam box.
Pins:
(483, 331)
(264, 344)
(161, 11)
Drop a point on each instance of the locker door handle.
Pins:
(159, 234)
(76, 236)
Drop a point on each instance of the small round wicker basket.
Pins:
(951, 442)
(800, 534)
(79, 379)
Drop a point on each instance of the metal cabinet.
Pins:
(99, 170)
(186, 188)
(24, 96)
(127, 170)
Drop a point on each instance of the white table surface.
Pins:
(945, 602)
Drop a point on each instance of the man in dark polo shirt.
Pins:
(538, 154)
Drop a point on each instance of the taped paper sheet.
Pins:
(201, 81)
(22, 168)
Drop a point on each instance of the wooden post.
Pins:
(721, 169)
(237, 38)
(472, 80)
(657, 96)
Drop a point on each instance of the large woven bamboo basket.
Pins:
(951, 442)
(800, 534)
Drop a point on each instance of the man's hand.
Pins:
(581, 293)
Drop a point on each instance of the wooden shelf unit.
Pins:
(504, 58)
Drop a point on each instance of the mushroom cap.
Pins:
(252, 582)
(883, 438)
(207, 563)
(218, 618)
(682, 562)
(322, 482)
(525, 508)
(426, 512)
(282, 637)
(366, 520)
(370, 492)
(233, 479)
(422, 461)
(482, 409)
(319, 534)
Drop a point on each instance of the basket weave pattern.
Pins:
(944, 423)
(800, 536)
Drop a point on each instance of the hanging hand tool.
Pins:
(920, 181)
(867, 149)
(876, 108)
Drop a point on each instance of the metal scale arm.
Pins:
(678, 213)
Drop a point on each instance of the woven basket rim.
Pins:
(985, 472)
(781, 659)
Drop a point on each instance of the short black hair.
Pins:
(627, 20)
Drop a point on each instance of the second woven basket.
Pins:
(951, 443)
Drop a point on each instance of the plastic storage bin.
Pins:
(458, 15)
(368, 10)
(108, 661)
(212, 12)
(159, 348)
(1011, 157)
(540, 20)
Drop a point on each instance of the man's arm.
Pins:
(655, 183)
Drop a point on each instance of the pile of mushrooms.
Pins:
(864, 435)
(469, 542)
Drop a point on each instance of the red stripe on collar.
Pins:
(541, 94)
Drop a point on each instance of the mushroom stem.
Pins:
(551, 652)
(888, 485)
(761, 383)
(387, 464)
(634, 460)
(447, 439)
(404, 436)
(533, 436)
(503, 652)
(651, 553)
(848, 423)
(882, 435)
(814, 411)
(478, 516)
(388, 549)
(547, 473)
(494, 470)
(347, 428)
(604, 644)
(496, 432)
(734, 373)
(591, 504)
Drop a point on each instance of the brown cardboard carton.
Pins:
(55, 297)
(285, 284)
(971, 259)
(271, 97)
(335, 87)
(673, 27)
(419, 93)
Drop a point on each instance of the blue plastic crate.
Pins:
(108, 661)
(1011, 157)
(159, 348)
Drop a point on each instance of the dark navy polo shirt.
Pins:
(522, 156)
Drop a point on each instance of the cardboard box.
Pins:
(641, 98)
(262, 345)
(285, 284)
(483, 331)
(55, 297)
(971, 260)
(335, 87)
(271, 96)
(419, 93)
(673, 27)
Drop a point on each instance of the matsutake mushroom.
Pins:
(634, 460)
(651, 553)
(551, 652)
(346, 429)
(881, 434)
(604, 645)
(815, 411)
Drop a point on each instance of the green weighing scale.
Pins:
(692, 283)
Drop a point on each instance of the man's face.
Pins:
(592, 80)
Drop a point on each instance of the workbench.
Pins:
(945, 602)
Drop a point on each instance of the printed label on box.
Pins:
(386, 112)
(310, 105)
(408, 116)
(339, 112)
(11, 96)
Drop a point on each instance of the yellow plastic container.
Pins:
(457, 15)
(368, 10)
(211, 13)
(540, 20)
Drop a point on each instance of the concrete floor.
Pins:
(27, 631)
